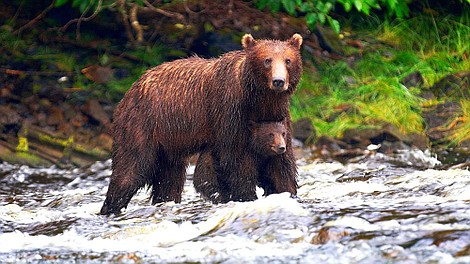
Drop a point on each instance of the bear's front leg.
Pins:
(238, 176)
(205, 178)
(122, 187)
(280, 174)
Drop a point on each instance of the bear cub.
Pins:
(268, 139)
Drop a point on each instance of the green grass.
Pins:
(370, 89)
(462, 129)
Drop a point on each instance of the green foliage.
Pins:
(348, 98)
(439, 44)
(318, 11)
(369, 93)
(82, 5)
(10, 44)
(428, 33)
(150, 55)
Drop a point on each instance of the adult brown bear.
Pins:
(268, 140)
(203, 105)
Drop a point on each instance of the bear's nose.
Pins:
(278, 83)
(281, 149)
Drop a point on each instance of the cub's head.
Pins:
(268, 138)
(275, 64)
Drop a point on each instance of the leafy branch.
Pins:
(318, 11)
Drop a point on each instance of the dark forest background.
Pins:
(387, 72)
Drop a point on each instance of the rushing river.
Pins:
(376, 210)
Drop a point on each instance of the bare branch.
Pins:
(82, 18)
(42, 73)
(135, 24)
(125, 20)
(189, 11)
(163, 12)
(79, 22)
(36, 19)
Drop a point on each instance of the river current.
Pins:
(380, 209)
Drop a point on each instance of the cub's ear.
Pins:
(252, 125)
(248, 41)
(296, 40)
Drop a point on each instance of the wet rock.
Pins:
(304, 131)
(454, 86)
(438, 118)
(455, 157)
(56, 116)
(65, 128)
(413, 157)
(328, 234)
(40, 118)
(94, 109)
(79, 120)
(427, 94)
(330, 144)
(414, 79)
(360, 137)
(463, 252)
(21, 88)
(326, 147)
(418, 140)
(367, 136)
(392, 133)
(454, 240)
(52, 93)
(355, 175)
(388, 147)
(69, 111)
(104, 141)
(344, 155)
(8, 115)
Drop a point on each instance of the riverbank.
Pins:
(383, 86)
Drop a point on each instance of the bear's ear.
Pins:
(295, 40)
(248, 41)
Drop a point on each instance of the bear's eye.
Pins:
(288, 61)
(271, 136)
(267, 62)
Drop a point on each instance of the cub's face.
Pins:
(277, 65)
(269, 138)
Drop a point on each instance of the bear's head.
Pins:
(276, 65)
(268, 138)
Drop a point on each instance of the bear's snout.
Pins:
(279, 149)
(278, 84)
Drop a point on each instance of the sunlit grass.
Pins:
(371, 88)
(462, 129)
(428, 33)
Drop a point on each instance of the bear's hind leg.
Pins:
(129, 175)
(168, 182)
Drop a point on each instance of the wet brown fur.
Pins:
(266, 138)
(197, 105)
